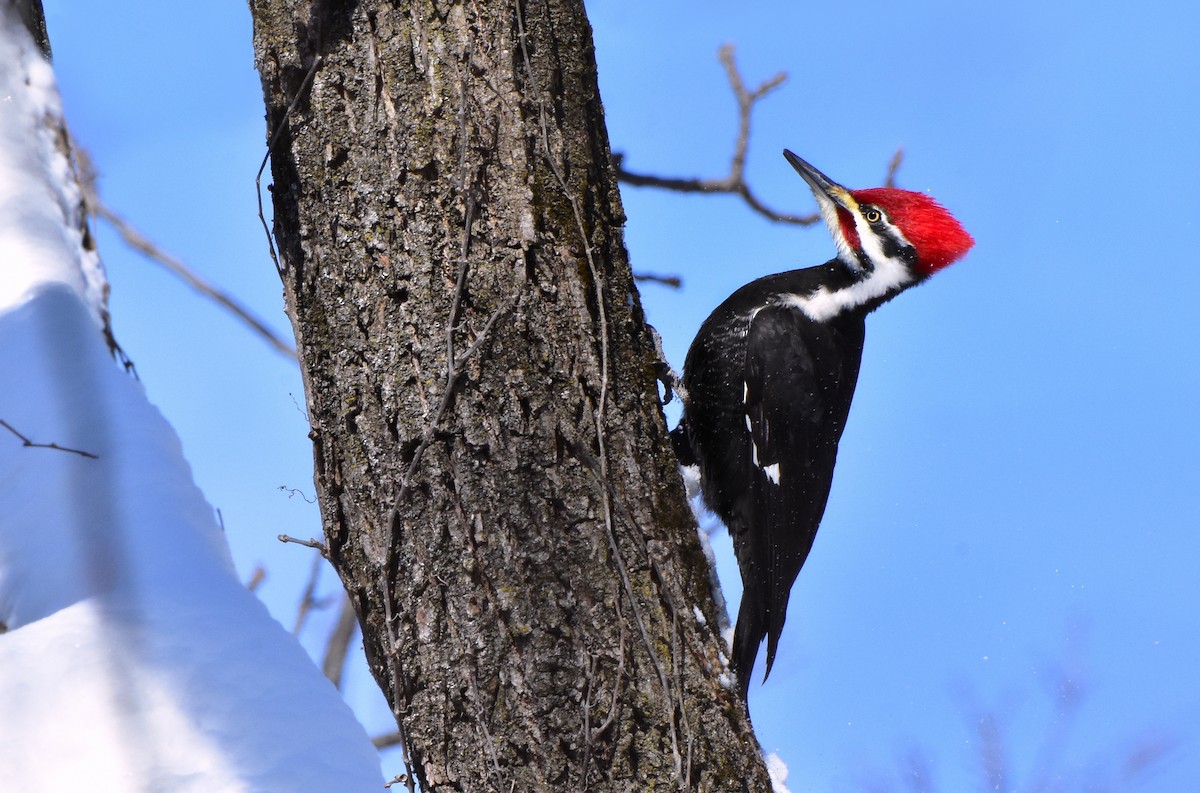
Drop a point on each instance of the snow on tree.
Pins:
(133, 659)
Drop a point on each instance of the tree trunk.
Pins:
(498, 492)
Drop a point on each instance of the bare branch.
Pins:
(308, 599)
(28, 444)
(735, 181)
(139, 242)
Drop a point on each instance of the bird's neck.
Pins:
(840, 291)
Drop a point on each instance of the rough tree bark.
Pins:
(497, 489)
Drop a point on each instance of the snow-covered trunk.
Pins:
(132, 658)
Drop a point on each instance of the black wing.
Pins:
(799, 379)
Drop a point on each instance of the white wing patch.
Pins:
(772, 471)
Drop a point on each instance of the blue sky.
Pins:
(1016, 489)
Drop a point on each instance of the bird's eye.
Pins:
(872, 215)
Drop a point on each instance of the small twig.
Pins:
(387, 740)
(257, 577)
(893, 167)
(319, 546)
(672, 281)
(454, 365)
(267, 156)
(452, 375)
(27, 443)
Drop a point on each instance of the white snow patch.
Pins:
(691, 480)
(772, 472)
(714, 583)
(134, 659)
(699, 615)
(778, 772)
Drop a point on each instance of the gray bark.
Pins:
(498, 493)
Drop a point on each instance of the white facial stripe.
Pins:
(772, 472)
(872, 242)
(872, 245)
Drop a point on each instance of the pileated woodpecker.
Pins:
(770, 376)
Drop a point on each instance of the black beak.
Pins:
(822, 186)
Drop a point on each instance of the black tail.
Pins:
(747, 636)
